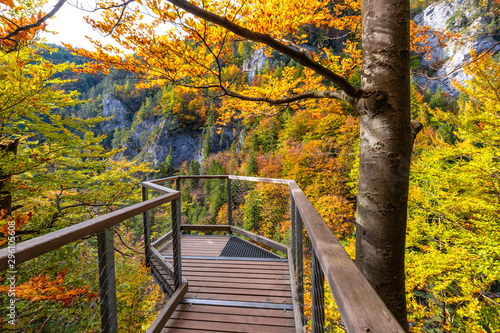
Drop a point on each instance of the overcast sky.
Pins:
(71, 27)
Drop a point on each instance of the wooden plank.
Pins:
(236, 310)
(168, 309)
(37, 246)
(165, 265)
(205, 227)
(235, 270)
(232, 318)
(238, 262)
(185, 330)
(241, 298)
(240, 291)
(227, 327)
(199, 246)
(262, 280)
(221, 284)
(239, 275)
(260, 239)
(165, 281)
(361, 308)
(260, 269)
(222, 266)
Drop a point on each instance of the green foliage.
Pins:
(216, 190)
(60, 175)
(166, 169)
(454, 223)
(194, 170)
(251, 168)
(252, 211)
(207, 137)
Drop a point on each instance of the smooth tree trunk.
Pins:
(385, 150)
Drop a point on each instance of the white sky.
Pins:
(71, 27)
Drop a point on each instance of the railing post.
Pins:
(229, 204)
(293, 231)
(176, 237)
(107, 281)
(318, 295)
(300, 261)
(147, 227)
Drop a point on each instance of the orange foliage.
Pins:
(18, 222)
(420, 34)
(40, 288)
(14, 17)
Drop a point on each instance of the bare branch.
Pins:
(266, 39)
(105, 8)
(125, 244)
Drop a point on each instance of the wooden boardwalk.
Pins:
(230, 294)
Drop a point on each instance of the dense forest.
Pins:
(65, 158)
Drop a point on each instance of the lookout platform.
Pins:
(234, 286)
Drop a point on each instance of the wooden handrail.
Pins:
(260, 239)
(37, 246)
(361, 308)
(163, 239)
(169, 308)
(261, 180)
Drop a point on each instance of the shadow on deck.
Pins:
(233, 286)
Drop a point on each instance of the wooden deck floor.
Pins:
(230, 294)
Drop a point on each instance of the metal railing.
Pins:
(91, 242)
(361, 308)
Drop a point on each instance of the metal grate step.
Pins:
(237, 247)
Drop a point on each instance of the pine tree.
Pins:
(251, 168)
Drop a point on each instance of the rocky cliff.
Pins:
(151, 139)
(458, 16)
(112, 107)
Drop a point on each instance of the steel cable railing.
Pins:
(271, 206)
(251, 204)
(82, 278)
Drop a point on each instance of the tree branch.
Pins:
(332, 94)
(266, 39)
(37, 23)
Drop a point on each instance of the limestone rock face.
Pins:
(113, 107)
(255, 63)
(152, 139)
(453, 15)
